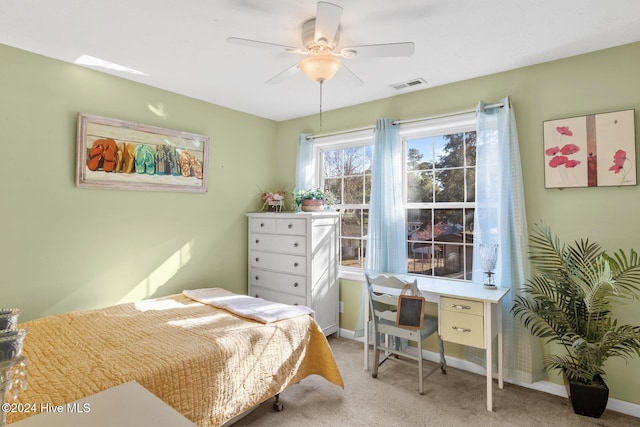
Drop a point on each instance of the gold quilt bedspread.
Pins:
(208, 364)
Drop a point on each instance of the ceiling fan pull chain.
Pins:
(321, 81)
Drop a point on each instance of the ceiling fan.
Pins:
(320, 40)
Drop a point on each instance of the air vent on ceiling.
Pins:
(410, 83)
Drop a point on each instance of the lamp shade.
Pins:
(320, 67)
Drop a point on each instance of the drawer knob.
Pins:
(460, 307)
(290, 225)
(295, 303)
(295, 245)
(262, 224)
(257, 259)
(295, 264)
(257, 278)
(295, 285)
(458, 329)
(257, 296)
(257, 241)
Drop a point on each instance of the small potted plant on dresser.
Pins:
(570, 302)
(312, 200)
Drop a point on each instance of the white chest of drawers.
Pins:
(293, 259)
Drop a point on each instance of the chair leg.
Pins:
(376, 357)
(420, 366)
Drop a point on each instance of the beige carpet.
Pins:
(455, 399)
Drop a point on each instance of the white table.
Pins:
(126, 405)
(468, 314)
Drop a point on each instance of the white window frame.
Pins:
(432, 128)
(415, 129)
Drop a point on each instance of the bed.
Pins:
(209, 364)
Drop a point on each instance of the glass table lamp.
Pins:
(488, 259)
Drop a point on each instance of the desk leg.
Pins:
(500, 348)
(366, 332)
(489, 359)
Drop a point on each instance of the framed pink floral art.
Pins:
(590, 151)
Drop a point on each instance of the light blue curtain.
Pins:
(304, 166)
(386, 250)
(500, 218)
(386, 238)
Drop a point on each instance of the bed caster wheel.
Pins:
(374, 375)
(277, 406)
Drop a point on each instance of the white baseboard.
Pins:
(616, 405)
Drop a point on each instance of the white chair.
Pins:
(384, 290)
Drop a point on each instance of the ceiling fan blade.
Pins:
(263, 45)
(352, 76)
(280, 77)
(327, 22)
(380, 50)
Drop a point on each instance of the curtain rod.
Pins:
(399, 122)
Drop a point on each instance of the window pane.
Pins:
(353, 161)
(367, 189)
(335, 186)
(354, 190)
(471, 185)
(448, 225)
(332, 163)
(365, 223)
(368, 156)
(420, 154)
(450, 151)
(470, 138)
(469, 262)
(352, 223)
(450, 185)
(451, 262)
(468, 225)
(419, 224)
(351, 253)
(419, 187)
(421, 258)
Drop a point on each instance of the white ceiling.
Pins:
(181, 45)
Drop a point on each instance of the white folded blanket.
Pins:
(246, 306)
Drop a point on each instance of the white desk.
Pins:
(463, 308)
(126, 405)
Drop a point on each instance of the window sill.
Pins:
(357, 276)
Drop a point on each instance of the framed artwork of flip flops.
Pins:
(124, 155)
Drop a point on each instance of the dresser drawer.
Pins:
(293, 264)
(279, 243)
(262, 225)
(275, 296)
(278, 281)
(291, 226)
(462, 306)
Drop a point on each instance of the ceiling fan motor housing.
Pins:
(321, 46)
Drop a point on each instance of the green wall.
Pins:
(597, 82)
(65, 248)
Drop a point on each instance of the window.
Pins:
(439, 202)
(439, 194)
(346, 172)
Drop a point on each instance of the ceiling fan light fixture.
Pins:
(320, 68)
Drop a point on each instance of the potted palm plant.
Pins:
(570, 302)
